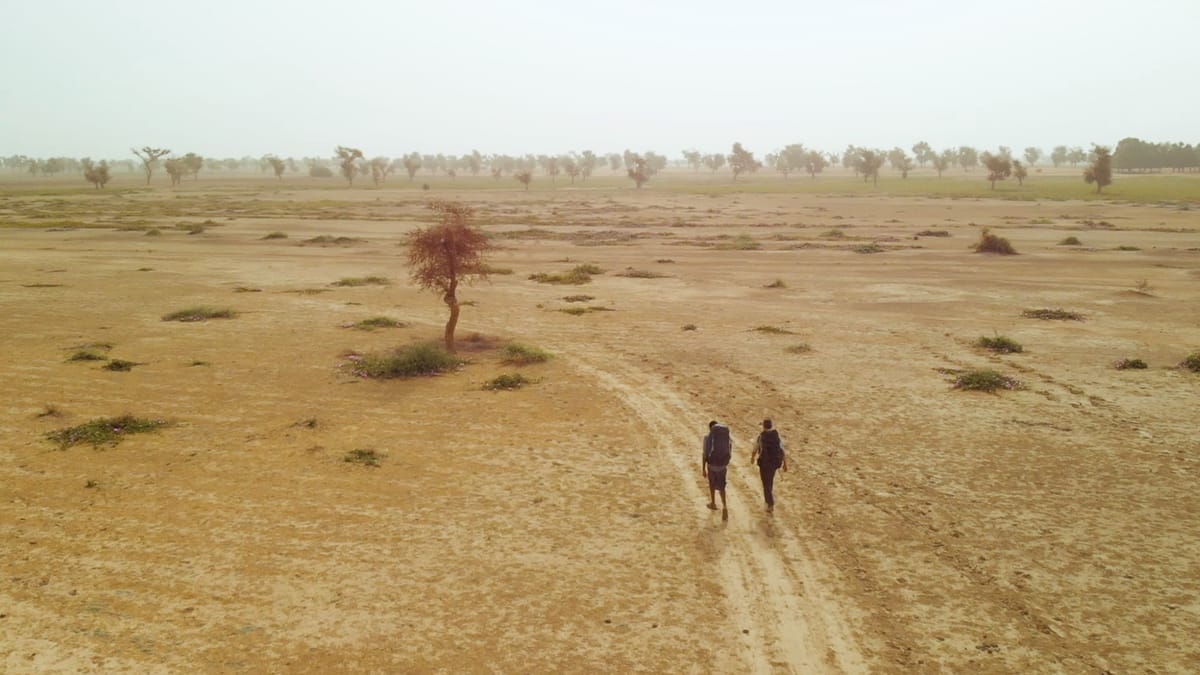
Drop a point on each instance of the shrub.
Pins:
(990, 243)
(689, 326)
(87, 355)
(363, 456)
(507, 382)
(1142, 287)
(103, 431)
(326, 240)
(1130, 364)
(773, 330)
(246, 289)
(574, 277)
(985, 380)
(154, 232)
(664, 260)
(778, 283)
(1192, 362)
(426, 358)
(1052, 315)
(802, 348)
(518, 354)
(276, 235)
(742, 242)
(1000, 344)
(833, 234)
(200, 313)
(377, 322)
(190, 228)
(640, 274)
(933, 233)
(578, 298)
(1070, 241)
(1128, 248)
(488, 269)
(869, 248)
(120, 365)
(578, 311)
(361, 281)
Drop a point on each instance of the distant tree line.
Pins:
(1135, 155)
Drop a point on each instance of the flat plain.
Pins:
(561, 527)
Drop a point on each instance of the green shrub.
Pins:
(1052, 315)
(1000, 344)
(200, 313)
(363, 456)
(1070, 241)
(377, 322)
(103, 431)
(985, 380)
(361, 281)
(507, 382)
(518, 354)
(1130, 364)
(276, 235)
(1192, 362)
(426, 358)
(588, 269)
(990, 243)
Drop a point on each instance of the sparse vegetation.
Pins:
(689, 326)
(276, 235)
(200, 313)
(1143, 287)
(87, 355)
(103, 431)
(1000, 345)
(507, 382)
(778, 283)
(191, 228)
(581, 274)
(640, 274)
(773, 330)
(247, 289)
(1070, 241)
(377, 322)
(985, 380)
(1130, 364)
(742, 242)
(153, 232)
(50, 410)
(991, 243)
(578, 298)
(426, 358)
(489, 269)
(120, 365)
(578, 311)
(801, 348)
(933, 233)
(518, 354)
(350, 282)
(1127, 248)
(327, 240)
(363, 456)
(869, 248)
(1052, 315)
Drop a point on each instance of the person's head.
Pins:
(712, 424)
(767, 423)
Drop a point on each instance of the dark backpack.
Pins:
(721, 451)
(772, 449)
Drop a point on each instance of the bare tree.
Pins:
(347, 158)
(442, 256)
(149, 157)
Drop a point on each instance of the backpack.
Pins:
(721, 451)
(772, 449)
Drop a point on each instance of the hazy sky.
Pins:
(249, 77)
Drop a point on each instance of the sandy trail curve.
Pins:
(787, 621)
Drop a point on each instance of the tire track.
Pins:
(787, 620)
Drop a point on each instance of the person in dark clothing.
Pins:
(714, 464)
(769, 455)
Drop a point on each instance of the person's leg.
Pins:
(768, 481)
(712, 503)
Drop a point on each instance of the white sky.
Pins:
(232, 78)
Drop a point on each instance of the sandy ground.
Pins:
(562, 527)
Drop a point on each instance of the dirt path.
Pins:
(788, 621)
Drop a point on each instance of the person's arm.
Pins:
(757, 448)
(783, 454)
(704, 455)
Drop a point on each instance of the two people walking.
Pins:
(768, 454)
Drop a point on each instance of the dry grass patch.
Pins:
(351, 282)
(1192, 362)
(1130, 364)
(376, 322)
(103, 431)
(507, 382)
(363, 456)
(1052, 315)
(518, 354)
(426, 358)
(985, 380)
(991, 243)
(773, 330)
(200, 313)
(1000, 345)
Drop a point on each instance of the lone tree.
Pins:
(347, 158)
(814, 163)
(638, 170)
(999, 167)
(192, 163)
(742, 161)
(1019, 172)
(96, 174)
(1032, 155)
(525, 176)
(1100, 171)
(277, 165)
(923, 153)
(442, 256)
(175, 169)
(412, 164)
(868, 163)
(942, 161)
(149, 157)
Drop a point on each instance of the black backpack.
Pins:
(772, 449)
(721, 451)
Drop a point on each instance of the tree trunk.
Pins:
(452, 322)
